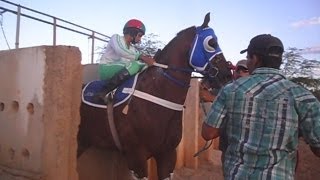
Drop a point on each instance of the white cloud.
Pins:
(311, 50)
(308, 22)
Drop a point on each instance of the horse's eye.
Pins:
(209, 44)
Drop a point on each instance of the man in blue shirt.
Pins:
(262, 115)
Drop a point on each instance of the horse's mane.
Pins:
(185, 30)
(160, 52)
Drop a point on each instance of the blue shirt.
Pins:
(261, 114)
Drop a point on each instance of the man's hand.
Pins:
(209, 132)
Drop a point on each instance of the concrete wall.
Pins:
(39, 112)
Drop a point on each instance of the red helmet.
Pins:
(135, 23)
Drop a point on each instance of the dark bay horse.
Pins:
(149, 129)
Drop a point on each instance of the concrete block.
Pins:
(39, 112)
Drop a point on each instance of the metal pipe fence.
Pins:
(55, 24)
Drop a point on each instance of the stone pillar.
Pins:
(39, 112)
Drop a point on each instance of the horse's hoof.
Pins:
(134, 176)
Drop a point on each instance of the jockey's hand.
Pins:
(148, 60)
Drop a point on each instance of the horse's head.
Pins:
(197, 49)
(207, 57)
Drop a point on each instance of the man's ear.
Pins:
(256, 61)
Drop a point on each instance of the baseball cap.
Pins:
(242, 63)
(262, 43)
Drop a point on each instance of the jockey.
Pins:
(120, 60)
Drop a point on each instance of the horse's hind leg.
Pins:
(80, 150)
(165, 164)
(83, 144)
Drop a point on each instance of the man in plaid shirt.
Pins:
(262, 115)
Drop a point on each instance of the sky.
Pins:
(235, 22)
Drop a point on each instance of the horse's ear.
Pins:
(206, 21)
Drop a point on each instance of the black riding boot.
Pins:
(115, 81)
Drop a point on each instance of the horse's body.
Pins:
(148, 129)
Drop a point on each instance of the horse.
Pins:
(210, 85)
(152, 125)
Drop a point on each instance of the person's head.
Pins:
(264, 50)
(241, 69)
(135, 29)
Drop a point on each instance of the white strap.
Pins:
(161, 65)
(154, 99)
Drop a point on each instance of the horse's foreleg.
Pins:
(137, 165)
(166, 163)
(134, 176)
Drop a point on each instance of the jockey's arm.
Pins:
(209, 132)
(148, 60)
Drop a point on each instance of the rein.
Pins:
(177, 69)
(182, 84)
(205, 147)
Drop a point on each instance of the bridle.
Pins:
(189, 70)
(165, 69)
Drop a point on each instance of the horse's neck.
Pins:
(155, 83)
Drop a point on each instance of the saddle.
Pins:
(92, 89)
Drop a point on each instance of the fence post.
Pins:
(190, 128)
(18, 27)
(92, 48)
(54, 31)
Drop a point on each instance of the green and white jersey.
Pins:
(117, 51)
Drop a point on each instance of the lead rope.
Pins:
(205, 147)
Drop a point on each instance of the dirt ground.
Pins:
(309, 164)
(92, 165)
(308, 167)
(208, 170)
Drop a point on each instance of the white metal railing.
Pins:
(55, 23)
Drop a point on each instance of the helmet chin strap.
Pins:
(133, 39)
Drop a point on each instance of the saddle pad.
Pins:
(95, 87)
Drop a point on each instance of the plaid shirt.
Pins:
(261, 115)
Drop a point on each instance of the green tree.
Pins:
(291, 61)
(150, 44)
(311, 84)
(295, 65)
(317, 94)
(301, 70)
